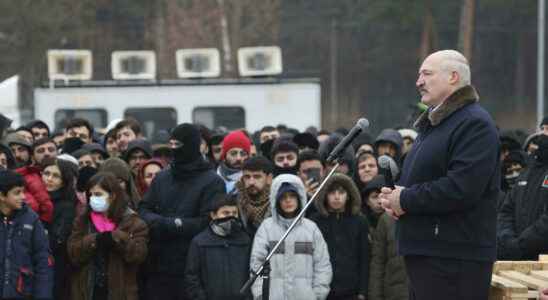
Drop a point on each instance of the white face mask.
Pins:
(98, 204)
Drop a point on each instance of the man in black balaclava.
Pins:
(523, 218)
(284, 156)
(175, 209)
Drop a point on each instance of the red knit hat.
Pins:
(235, 139)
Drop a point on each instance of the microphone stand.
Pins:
(264, 269)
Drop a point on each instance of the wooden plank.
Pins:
(526, 280)
(526, 266)
(543, 257)
(508, 285)
(542, 275)
(502, 265)
(533, 294)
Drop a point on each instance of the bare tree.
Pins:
(466, 28)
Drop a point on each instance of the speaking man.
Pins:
(446, 201)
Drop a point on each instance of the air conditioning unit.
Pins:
(260, 61)
(70, 64)
(196, 63)
(133, 65)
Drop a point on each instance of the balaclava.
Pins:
(189, 136)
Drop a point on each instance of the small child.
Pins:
(218, 258)
(24, 245)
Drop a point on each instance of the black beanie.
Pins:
(544, 121)
(283, 145)
(72, 145)
(189, 136)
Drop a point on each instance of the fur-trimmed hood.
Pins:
(460, 98)
(354, 197)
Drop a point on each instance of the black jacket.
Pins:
(189, 198)
(346, 235)
(217, 267)
(523, 216)
(452, 180)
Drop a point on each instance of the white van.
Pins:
(233, 103)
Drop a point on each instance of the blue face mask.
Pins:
(99, 203)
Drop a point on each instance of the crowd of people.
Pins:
(188, 214)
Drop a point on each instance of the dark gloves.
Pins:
(509, 249)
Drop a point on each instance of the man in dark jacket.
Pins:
(446, 203)
(218, 258)
(175, 209)
(24, 246)
(523, 217)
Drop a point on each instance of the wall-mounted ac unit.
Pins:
(70, 64)
(260, 61)
(196, 63)
(132, 65)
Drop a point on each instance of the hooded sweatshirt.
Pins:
(300, 268)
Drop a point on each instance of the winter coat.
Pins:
(300, 268)
(452, 180)
(123, 259)
(25, 257)
(388, 279)
(217, 267)
(59, 232)
(36, 194)
(346, 235)
(190, 199)
(524, 214)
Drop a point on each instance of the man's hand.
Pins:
(390, 201)
(544, 294)
(311, 186)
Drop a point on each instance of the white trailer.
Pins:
(243, 103)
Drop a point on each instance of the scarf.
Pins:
(102, 223)
(256, 208)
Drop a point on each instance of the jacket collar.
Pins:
(460, 98)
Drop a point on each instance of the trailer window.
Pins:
(153, 119)
(97, 117)
(231, 117)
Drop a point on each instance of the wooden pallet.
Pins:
(519, 280)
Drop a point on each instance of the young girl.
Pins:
(107, 244)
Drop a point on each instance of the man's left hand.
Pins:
(390, 200)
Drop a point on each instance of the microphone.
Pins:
(361, 125)
(384, 165)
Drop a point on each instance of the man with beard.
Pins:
(253, 192)
(176, 209)
(523, 217)
(20, 148)
(284, 155)
(236, 148)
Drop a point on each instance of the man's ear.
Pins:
(454, 78)
(212, 215)
(269, 179)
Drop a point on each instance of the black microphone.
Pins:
(361, 125)
(384, 165)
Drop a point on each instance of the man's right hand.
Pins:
(311, 186)
(544, 294)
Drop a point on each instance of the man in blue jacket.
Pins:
(446, 199)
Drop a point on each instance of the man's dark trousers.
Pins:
(435, 278)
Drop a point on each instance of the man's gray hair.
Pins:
(454, 61)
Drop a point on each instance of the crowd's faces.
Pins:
(269, 135)
(217, 151)
(26, 135)
(51, 176)
(3, 161)
(86, 161)
(365, 148)
(374, 202)
(288, 202)
(98, 191)
(136, 158)
(59, 140)
(544, 129)
(21, 153)
(81, 132)
(97, 158)
(434, 83)
(112, 147)
(367, 169)
(407, 143)
(123, 136)
(322, 138)
(386, 148)
(47, 150)
(39, 133)
(150, 172)
(236, 157)
(12, 200)
(225, 212)
(255, 181)
(285, 159)
(336, 200)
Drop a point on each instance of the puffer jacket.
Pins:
(346, 235)
(387, 277)
(300, 267)
(25, 256)
(36, 194)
